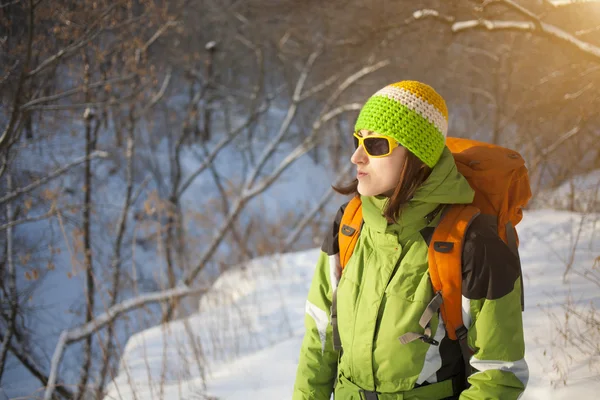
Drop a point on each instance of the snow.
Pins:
(250, 327)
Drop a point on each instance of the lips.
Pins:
(360, 174)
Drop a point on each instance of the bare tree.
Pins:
(174, 92)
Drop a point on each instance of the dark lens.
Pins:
(355, 142)
(377, 146)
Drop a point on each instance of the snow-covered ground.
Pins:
(249, 330)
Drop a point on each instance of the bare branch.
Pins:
(319, 87)
(32, 366)
(429, 13)
(215, 151)
(217, 237)
(484, 93)
(138, 191)
(5, 138)
(536, 26)
(12, 224)
(160, 93)
(10, 70)
(299, 151)
(90, 284)
(10, 3)
(335, 112)
(12, 285)
(97, 104)
(62, 53)
(493, 25)
(79, 333)
(53, 175)
(564, 3)
(351, 80)
(72, 48)
(571, 96)
(587, 31)
(116, 260)
(285, 125)
(566, 136)
(76, 90)
(520, 9)
(158, 33)
(477, 50)
(293, 236)
(550, 149)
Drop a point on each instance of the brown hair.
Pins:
(414, 173)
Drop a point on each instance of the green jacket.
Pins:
(382, 294)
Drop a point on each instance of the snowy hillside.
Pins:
(248, 331)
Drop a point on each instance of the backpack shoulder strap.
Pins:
(347, 237)
(445, 262)
(445, 271)
(350, 229)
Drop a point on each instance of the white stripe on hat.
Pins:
(417, 104)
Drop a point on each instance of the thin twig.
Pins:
(76, 90)
(215, 151)
(158, 33)
(32, 366)
(10, 70)
(72, 48)
(295, 234)
(10, 4)
(159, 94)
(5, 138)
(12, 285)
(116, 261)
(90, 285)
(283, 128)
(587, 31)
(97, 104)
(60, 171)
(12, 224)
(554, 146)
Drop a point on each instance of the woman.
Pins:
(404, 178)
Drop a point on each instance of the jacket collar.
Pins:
(445, 185)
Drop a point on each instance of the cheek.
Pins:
(386, 172)
(392, 174)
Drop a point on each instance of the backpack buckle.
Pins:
(348, 230)
(429, 340)
(462, 332)
(443, 247)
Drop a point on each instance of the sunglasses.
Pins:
(375, 145)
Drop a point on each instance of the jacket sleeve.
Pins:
(317, 365)
(492, 309)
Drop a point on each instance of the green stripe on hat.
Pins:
(390, 118)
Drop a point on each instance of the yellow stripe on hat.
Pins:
(425, 92)
(417, 104)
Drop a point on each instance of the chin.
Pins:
(366, 191)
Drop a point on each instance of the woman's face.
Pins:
(378, 176)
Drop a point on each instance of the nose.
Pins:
(360, 156)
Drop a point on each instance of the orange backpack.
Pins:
(501, 184)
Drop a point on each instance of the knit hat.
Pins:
(411, 112)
